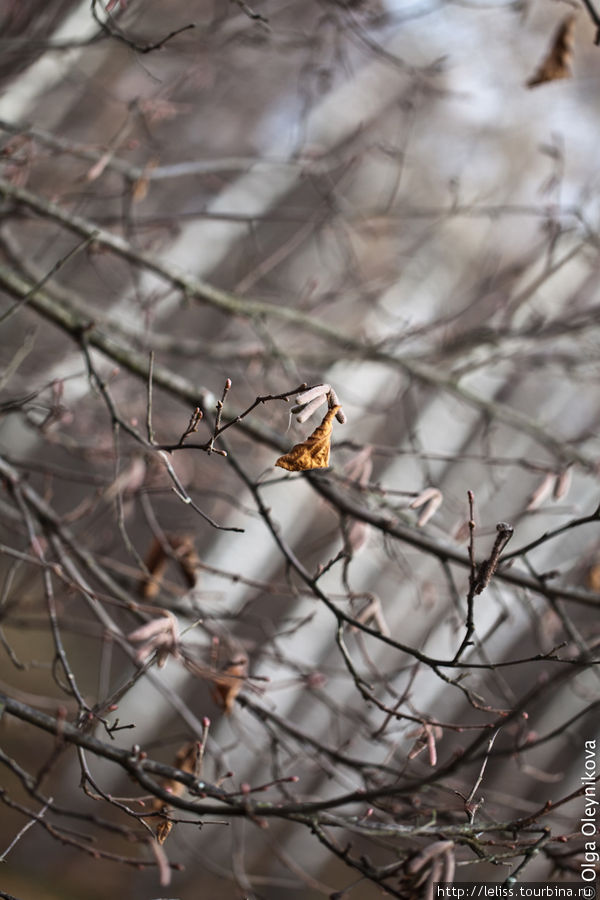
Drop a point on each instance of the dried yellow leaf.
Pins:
(162, 830)
(158, 560)
(228, 683)
(313, 453)
(186, 761)
(557, 63)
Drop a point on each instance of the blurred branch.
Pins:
(110, 28)
(71, 322)
(231, 305)
(594, 17)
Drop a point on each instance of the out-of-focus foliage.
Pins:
(374, 670)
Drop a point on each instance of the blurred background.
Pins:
(208, 203)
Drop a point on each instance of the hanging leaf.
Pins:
(158, 560)
(229, 682)
(313, 453)
(163, 830)
(557, 63)
(186, 761)
(593, 578)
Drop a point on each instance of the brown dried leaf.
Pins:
(313, 453)
(187, 557)
(163, 829)
(140, 188)
(593, 578)
(186, 761)
(557, 63)
(157, 561)
(229, 682)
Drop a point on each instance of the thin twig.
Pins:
(110, 29)
(22, 301)
(25, 829)
(149, 428)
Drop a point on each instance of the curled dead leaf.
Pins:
(228, 683)
(313, 453)
(185, 760)
(163, 829)
(593, 578)
(140, 188)
(158, 559)
(557, 62)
